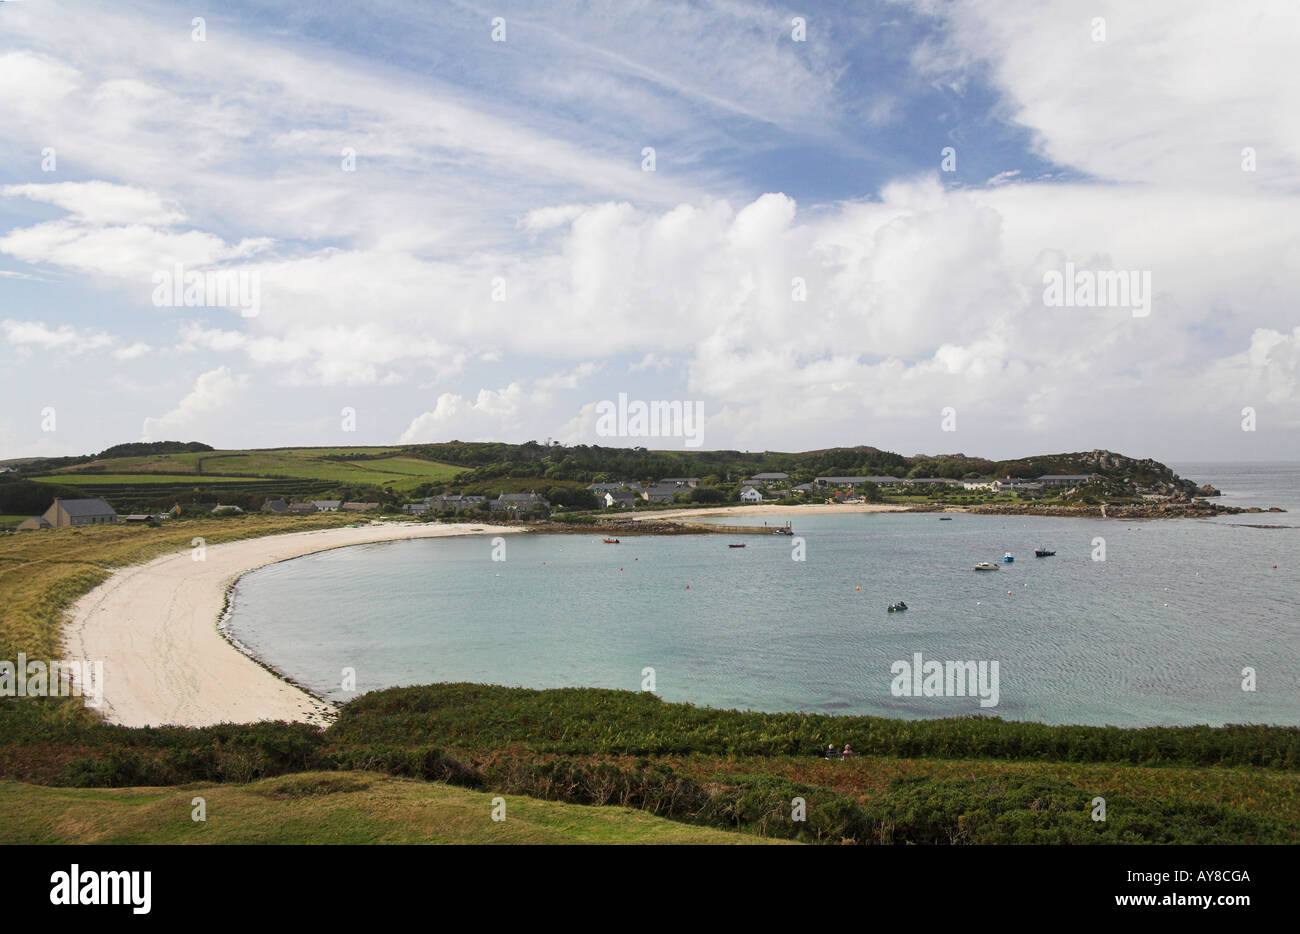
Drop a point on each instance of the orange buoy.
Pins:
(859, 588)
(688, 586)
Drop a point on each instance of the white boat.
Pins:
(985, 566)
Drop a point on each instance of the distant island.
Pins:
(579, 484)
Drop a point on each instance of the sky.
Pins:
(825, 225)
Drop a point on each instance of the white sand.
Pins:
(154, 626)
(761, 509)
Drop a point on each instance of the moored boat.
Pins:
(1043, 552)
(1008, 558)
(611, 541)
(736, 546)
(898, 607)
(985, 566)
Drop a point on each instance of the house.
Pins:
(975, 484)
(277, 506)
(298, 508)
(326, 505)
(851, 482)
(35, 522)
(765, 479)
(67, 512)
(1066, 479)
(680, 481)
(623, 499)
(416, 509)
(661, 493)
(520, 502)
(600, 488)
(750, 495)
(359, 507)
(1022, 486)
(803, 488)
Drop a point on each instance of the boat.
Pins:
(1008, 558)
(611, 541)
(898, 607)
(985, 566)
(785, 531)
(945, 518)
(736, 546)
(1041, 552)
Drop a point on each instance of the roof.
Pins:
(325, 502)
(678, 479)
(770, 476)
(1067, 476)
(86, 507)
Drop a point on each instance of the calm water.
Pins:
(1156, 634)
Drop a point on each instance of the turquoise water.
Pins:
(1158, 633)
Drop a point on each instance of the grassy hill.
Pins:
(324, 807)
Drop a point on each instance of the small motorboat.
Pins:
(1043, 553)
(898, 607)
(735, 546)
(985, 566)
(611, 541)
(1008, 558)
(945, 518)
(785, 531)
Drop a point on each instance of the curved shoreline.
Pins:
(157, 629)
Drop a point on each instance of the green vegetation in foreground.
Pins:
(947, 781)
(324, 807)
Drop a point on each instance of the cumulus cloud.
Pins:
(208, 410)
(492, 415)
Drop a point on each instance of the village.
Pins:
(770, 487)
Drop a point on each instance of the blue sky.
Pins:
(520, 163)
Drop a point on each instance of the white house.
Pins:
(750, 495)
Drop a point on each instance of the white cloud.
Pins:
(101, 202)
(493, 415)
(208, 410)
(65, 338)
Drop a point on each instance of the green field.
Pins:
(386, 467)
(325, 807)
(126, 479)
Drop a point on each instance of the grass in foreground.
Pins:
(324, 807)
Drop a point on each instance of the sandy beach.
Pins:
(760, 509)
(154, 627)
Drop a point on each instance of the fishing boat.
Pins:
(736, 546)
(611, 541)
(898, 607)
(985, 566)
(1042, 552)
(1008, 558)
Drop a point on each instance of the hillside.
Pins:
(140, 477)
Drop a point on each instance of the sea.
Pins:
(1131, 623)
